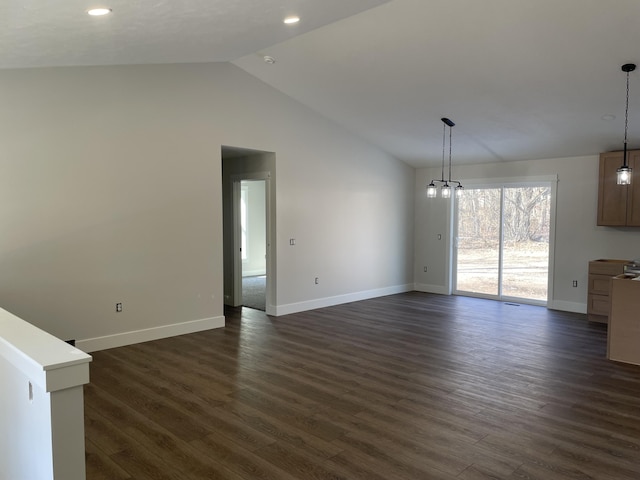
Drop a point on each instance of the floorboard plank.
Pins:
(405, 387)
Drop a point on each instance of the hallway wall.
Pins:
(111, 192)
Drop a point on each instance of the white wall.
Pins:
(578, 240)
(111, 192)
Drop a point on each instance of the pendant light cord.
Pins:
(626, 122)
(444, 133)
(450, 137)
(626, 111)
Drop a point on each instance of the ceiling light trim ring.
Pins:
(99, 11)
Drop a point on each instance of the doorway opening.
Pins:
(503, 242)
(248, 178)
(253, 243)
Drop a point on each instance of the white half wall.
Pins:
(42, 407)
(111, 192)
(577, 237)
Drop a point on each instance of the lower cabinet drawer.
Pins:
(598, 305)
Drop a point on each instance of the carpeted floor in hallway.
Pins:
(254, 292)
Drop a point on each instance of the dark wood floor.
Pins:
(410, 386)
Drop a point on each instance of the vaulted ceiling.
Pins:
(522, 79)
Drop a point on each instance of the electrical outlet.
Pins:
(292, 241)
(425, 269)
(118, 307)
(575, 283)
(317, 281)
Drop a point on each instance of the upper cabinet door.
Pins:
(612, 198)
(633, 191)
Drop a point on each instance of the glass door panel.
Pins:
(478, 241)
(526, 219)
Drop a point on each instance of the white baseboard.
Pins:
(338, 300)
(567, 306)
(426, 288)
(147, 334)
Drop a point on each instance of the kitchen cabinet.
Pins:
(600, 274)
(623, 336)
(618, 205)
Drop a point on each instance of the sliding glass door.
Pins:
(502, 242)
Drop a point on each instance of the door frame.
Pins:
(552, 180)
(236, 181)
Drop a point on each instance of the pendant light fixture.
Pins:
(624, 172)
(445, 190)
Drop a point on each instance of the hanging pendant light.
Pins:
(625, 171)
(445, 190)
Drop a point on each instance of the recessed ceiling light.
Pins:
(292, 19)
(269, 60)
(98, 12)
